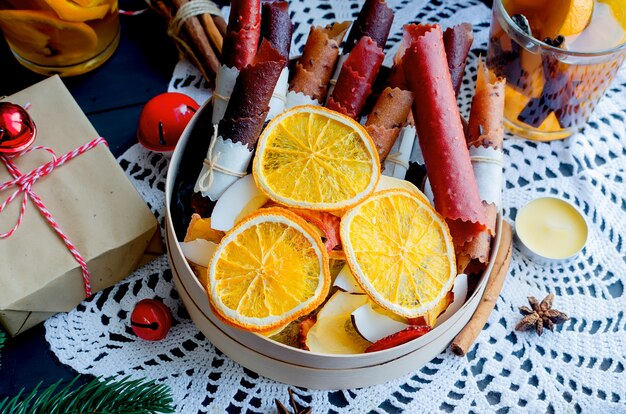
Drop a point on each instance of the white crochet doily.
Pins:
(578, 368)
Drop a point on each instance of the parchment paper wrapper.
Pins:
(91, 199)
(224, 84)
(279, 96)
(212, 182)
(298, 98)
(487, 164)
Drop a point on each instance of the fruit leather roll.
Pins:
(355, 80)
(313, 70)
(277, 28)
(457, 41)
(441, 136)
(374, 21)
(406, 148)
(387, 118)
(484, 141)
(240, 46)
(231, 148)
(396, 79)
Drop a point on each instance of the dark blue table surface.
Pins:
(112, 97)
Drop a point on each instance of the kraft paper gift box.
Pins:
(90, 197)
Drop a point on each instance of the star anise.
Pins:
(540, 315)
(281, 409)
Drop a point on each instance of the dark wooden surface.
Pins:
(112, 97)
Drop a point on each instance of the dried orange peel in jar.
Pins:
(43, 36)
(555, 17)
(70, 11)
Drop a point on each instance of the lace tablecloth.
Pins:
(578, 368)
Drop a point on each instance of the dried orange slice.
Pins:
(400, 252)
(72, 12)
(41, 37)
(270, 269)
(312, 157)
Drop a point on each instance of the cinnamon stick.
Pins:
(212, 31)
(465, 339)
(194, 29)
(221, 25)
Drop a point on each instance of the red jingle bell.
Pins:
(163, 120)
(17, 129)
(151, 320)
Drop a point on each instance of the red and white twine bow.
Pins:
(24, 186)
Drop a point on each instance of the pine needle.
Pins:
(108, 396)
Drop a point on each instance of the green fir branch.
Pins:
(109, 396)
(2, 338)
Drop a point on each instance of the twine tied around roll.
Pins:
(395, 159)
(211, 162)
(487, 160)
(189, 10)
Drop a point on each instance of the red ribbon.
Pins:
(24, 183)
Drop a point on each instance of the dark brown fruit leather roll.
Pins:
(457, 41)
(249, 102)
(387, 118)
(356, 78)
(441, 136)
(374, 20)
(315, 67)
(242, 34)
(276, 26)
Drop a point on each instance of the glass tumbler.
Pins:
(65, 37)
(550, 91)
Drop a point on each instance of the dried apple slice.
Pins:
(334, 333)
(198, 251)
(41, 37)
(239, 200)
(346, 281)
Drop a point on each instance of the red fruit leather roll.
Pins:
(457, 41)
(248, 104)
(242, 34)
(276, 26)
(355, 80)
(441, 136)
(315, 67)
(374, 20)
(410, 32)
(387, 118)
